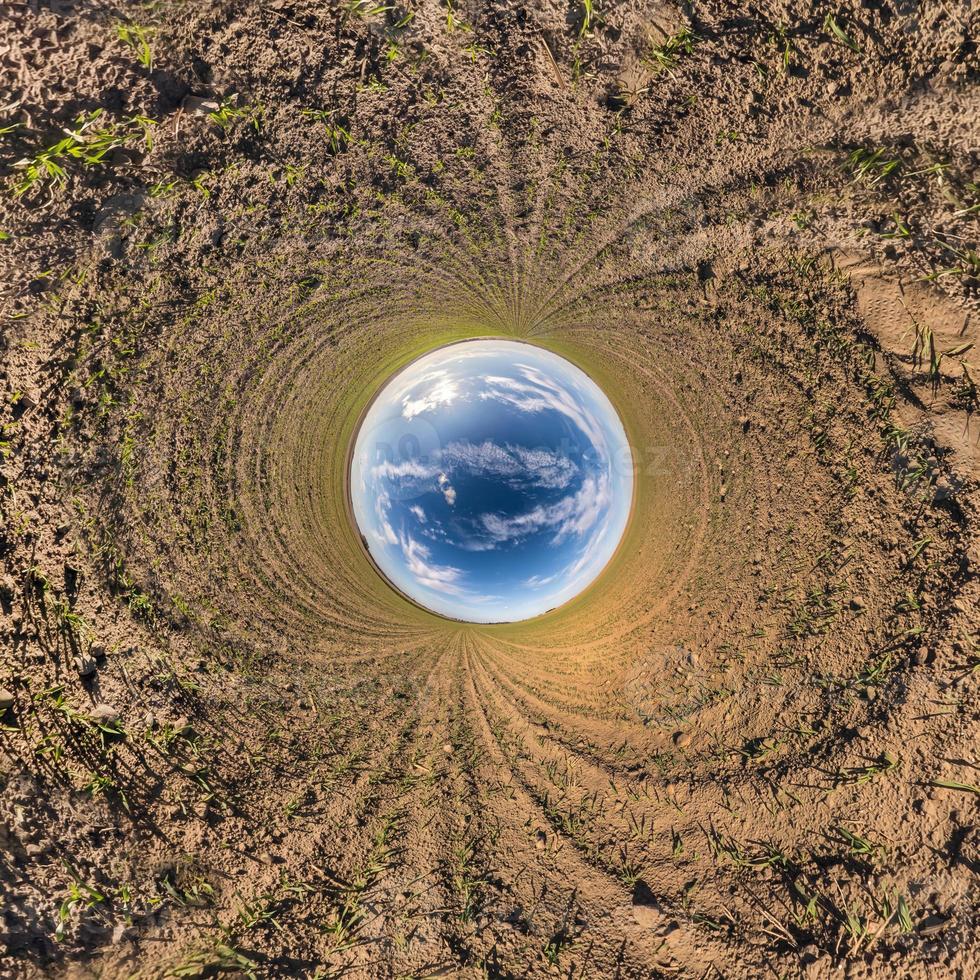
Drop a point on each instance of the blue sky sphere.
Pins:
(491, 480)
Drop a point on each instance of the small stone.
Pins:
(857, 602)
(85, 665)
(447, 748)
(540, 840)
(809, 953)
(104, 714)
(921, 657)
(647, 916)
(77, 397)
(199, 106)
(183, 727)
(150, 720)
(646, 910)
(6, 699)
(28, 399)
(931, 925)
(681, 739)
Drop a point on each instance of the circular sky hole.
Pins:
(491, 481)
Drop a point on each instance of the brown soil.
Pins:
(749, 750)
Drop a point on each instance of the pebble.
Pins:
(647, 916)
(447, 748)
(921, 657)
(6, 699)
(29, 399)
(85, 665)
(857, 602)
(681, 739)
(199, 106)
(104, 714)
(931, 925)
(182, 726)
(540, 840)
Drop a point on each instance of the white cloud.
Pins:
(448, 491)
(517, 465)
(572, 515)
(382, 507)
(409, 468)
(442, 578)
(440, 389)
(539, 393)
(418, 512)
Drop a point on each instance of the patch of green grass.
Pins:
(81, 896)
(338, 131)
(137, 38)
(952, 784)
(871, 167)
(665, 56)
(219, 958)
(228, 113)
(834, 29)
(858, 775)
(88, 143)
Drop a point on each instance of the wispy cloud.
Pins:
(382, 507)
(517, 465)
(409, 469)
(419, 564)
(438, 389)
(539, 393)
(572, 515)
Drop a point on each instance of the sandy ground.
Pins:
(750, 750)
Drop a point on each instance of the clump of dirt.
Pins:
(228, 747)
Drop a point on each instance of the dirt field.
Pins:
(750, 750)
